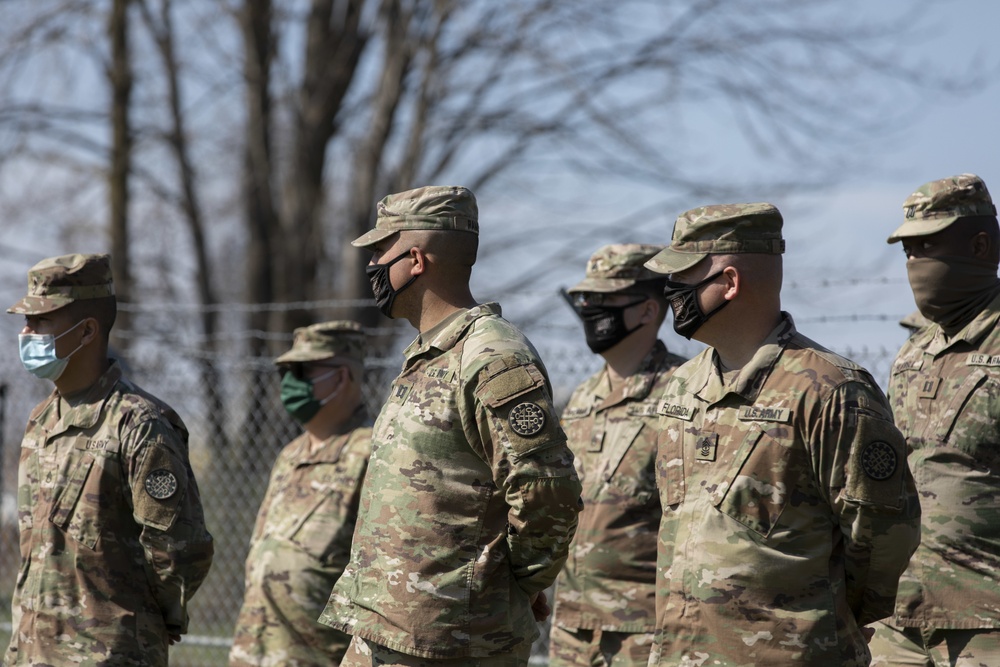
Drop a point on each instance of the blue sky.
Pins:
(837, 263)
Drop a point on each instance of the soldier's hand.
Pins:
(868, 634)
(174, 639)
(540, 606)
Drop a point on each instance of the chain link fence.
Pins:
(232, 448)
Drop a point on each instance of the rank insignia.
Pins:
(706, 447)
(928, 387)
(160, 484)
(527, 419)
(878, 460)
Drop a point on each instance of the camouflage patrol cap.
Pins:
(342, 339)
(617, 267)
(937, 204)
(441, 207)
(59, 281)
(721, 229)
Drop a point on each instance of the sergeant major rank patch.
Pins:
(160, 484)
(706, 447)
(527, 419)
(878, 460)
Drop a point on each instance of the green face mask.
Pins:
(297, 396)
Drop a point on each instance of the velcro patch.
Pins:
(684, 412)
(878, 459)
(983, 360)
(908, 365)
(928, 387)
(706, 447)
(759, 413)
(509, 384)
(527, 419)
(642, 409)
(438, 373)
(160, 484)
(576, 413)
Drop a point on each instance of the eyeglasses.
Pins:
(584, 299)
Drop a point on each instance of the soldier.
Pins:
(302, 539)
(945, 392)
(113, 538)
(471, 498)
(605, 605)
(789, 512)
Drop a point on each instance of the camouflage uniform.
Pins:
(471, 498)
(113, 539)
(607, 586)
(299, 548)
(302, 538)
(945, 394)
(789, 511)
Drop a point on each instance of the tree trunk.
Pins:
(192, 212)
(334, 43)
(263, 238)
(120, 78)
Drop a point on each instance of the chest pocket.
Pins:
(755, 492)
(669, 464)
(92, 484)
(970, 421)
(324, 529)
(627, 468)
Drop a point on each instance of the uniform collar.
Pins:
(329, 451)
(446, 334)
(636, 386)
(936, 342)
(83, 409)
(752, 376)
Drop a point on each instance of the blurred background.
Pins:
(226, 151)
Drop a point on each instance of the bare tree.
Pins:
(120, 79)
(161, 26)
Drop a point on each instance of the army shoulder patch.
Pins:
(160, 484)
(879, 460)
(875, 468)
(527, 419)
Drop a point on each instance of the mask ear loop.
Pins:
(333, 393)
(55, 338)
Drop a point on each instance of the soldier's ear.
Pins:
(419, 259)
(982, 246)
(650, 311)
(91, 330)
(733, 282)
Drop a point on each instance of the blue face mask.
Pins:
(38, 354)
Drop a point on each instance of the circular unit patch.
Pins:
(878, 460)
(527, 419)
(160, 484)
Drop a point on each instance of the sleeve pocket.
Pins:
(875, 468)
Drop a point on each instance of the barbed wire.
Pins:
(319, 304)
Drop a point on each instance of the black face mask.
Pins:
(604, 326)
(385, 294)
(683, 299)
